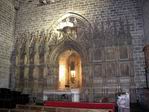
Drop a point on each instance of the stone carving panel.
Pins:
(22, 51)
(112, 32)
(73, 28)
(111, 53)
(32, 48)
(125, 69)
(98, 54)
(41, 47)
(114, 39)
(98, 71)
(111, 69)
(123, 52)
(108, 45)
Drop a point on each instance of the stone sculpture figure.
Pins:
(17, 51)
(22, 51)
(41, 53)
(31, 61)
(32, 49)
(41, 48)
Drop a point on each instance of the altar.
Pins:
(72, 95)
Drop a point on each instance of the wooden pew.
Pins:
(9, 99)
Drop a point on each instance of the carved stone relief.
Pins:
(113, 42)
(98, 54)
(125, 69)
(111, 53)
(32, 49)
(98, 71)
(111, 69)
(123, 53)
(108, 48)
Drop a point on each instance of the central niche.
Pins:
(70, 71)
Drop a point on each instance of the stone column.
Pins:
(86, 93)
(146, 54)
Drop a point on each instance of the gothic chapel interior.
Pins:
(97, 48)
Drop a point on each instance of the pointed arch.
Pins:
(67, 45)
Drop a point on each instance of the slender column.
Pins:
(146, 54)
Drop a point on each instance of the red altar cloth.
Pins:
(81, 105)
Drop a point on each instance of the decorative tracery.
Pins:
(106, 46)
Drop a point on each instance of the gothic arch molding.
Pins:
(67, 45)
(79, 42)
(78, 38)
(40, 51)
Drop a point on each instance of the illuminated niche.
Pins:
(70, 71)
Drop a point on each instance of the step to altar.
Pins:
(61, 108)
(36, 108)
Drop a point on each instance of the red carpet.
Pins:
(81, 105)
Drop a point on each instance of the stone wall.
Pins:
(123, 15)
(146, 22)
(7, 23)
(146, 34)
